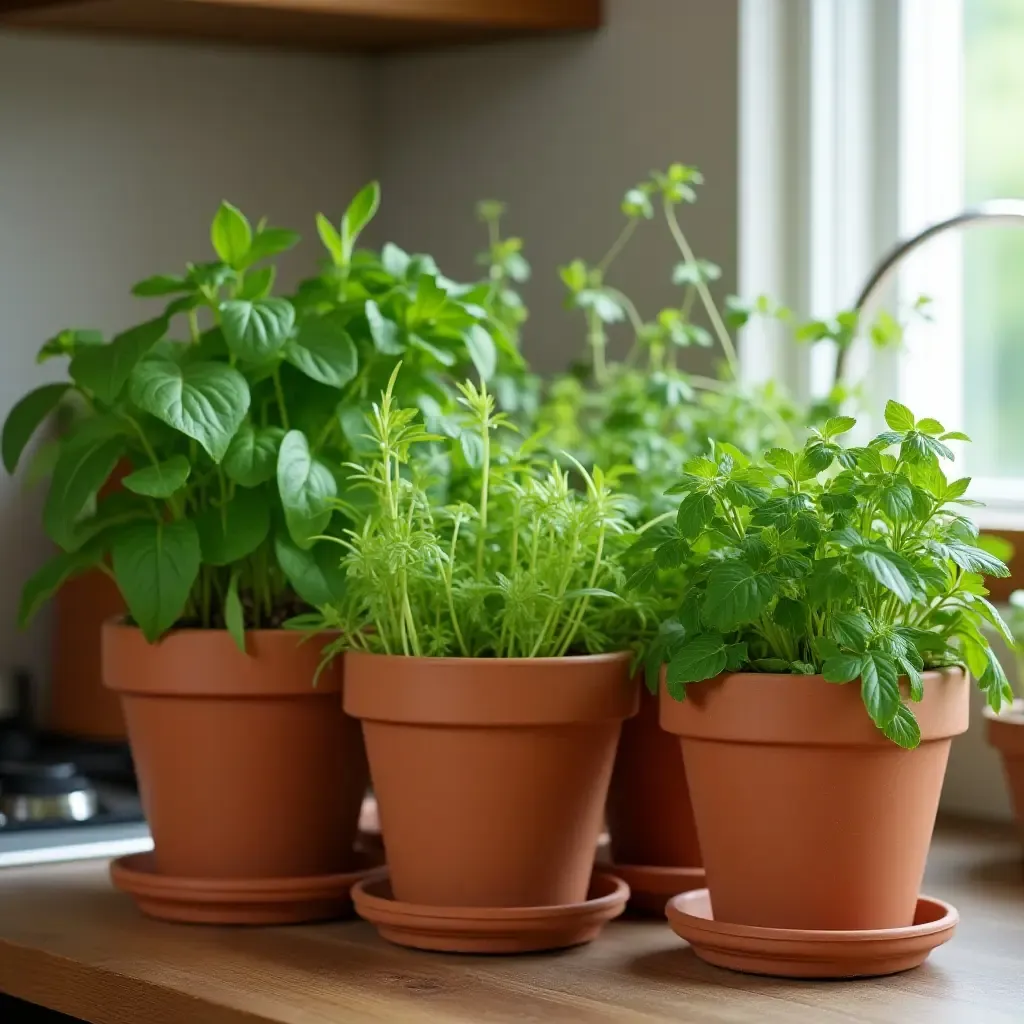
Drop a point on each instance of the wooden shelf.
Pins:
(344, 25)
(70, 943)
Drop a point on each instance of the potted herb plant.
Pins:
(234, 436)
(1005, 727)
(816, 669)
(485, 655)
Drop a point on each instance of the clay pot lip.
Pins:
(658, 878)
(489, 692)
(777, 709)
(199, 663)
(373, 901)
(135, 874)
(610, 658)
(1005, 730)
(683, 910)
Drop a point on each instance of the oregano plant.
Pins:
(853, 563)
(204, 457)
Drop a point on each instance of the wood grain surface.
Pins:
(69, 942)
(363, 25)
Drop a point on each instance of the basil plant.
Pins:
(852, 563)
(199, 464)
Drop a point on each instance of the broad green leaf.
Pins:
(703, 657)
(880, 687)
(258, 283)
(269, 242)
(234, 616)
(890, 569)
(25, 418)
(359, 213)
(205, 401)
(315, 574)
(331, 239)
(231, 235)
(44, 583)
(695, 513)
(480, 346)
(736, 594)
(974, 559)
(160, 284)
(161, 480)
(66, 343)
(155, 565)
(643, 576)
(781, 459)
(324, 351)
(842, 668)
(898, 416)
(903, 728)
(77, 476)
(851, 629)
(930, 426)
(386, 334)
(307, 488)
(255, 330)
(994, 682)
(251, 458)
(104, 369)
(837, 425)
(231, 532)
(991, 614)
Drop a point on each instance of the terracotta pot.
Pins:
(245, 770)
(490, 774)
(650, 818)
(1005, 732)
(80, 705)
(808, 817)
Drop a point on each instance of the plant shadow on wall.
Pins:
(234, 436)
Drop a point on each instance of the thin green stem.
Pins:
(279, 394)
(618, 245)
(728, 349)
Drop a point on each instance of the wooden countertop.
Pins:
(69, 942)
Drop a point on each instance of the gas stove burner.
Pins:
(33, 791)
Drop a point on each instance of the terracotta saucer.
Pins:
(486, 929)
(650, 887)
(265, 901)
(794, 953)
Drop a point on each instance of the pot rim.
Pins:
(806, 711)
(489, 692)
(1005, 730)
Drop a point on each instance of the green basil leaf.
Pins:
(256, 330)
(205, 401)
(324, 351)
(269, 242)
(307, 488)
(315, 574)
(77, 477)
(232, 532)
(67, 342)
(903, 728)
(482, 352)
(257, 284)
(161, 480)
(231, 235)
(44, 583)
(890, 569)
(736, 594)
(104, 369)
(703, 657)
(25, 418)
(331, 239)
(974, 559)
(898, 416)
(695, 513)
(386, 334)
(359, 213)
(842, 668)
(156, 565)
(251, 458)
(880, 687)
(160, 284)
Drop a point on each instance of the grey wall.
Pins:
(559, 128)
(113, 158)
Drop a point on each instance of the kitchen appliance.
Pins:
(61, 797)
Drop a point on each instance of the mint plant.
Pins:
(529, 568)
(849, 563)
(227, 417)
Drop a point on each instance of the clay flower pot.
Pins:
(1006, 733)
(490, 774)
(246, 771)
(808, 817)
(650, 818)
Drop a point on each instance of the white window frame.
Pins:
(851, 126)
